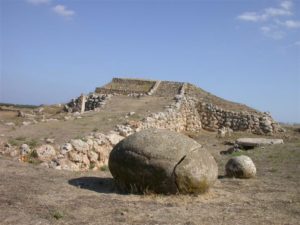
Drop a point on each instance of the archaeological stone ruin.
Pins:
(193, 109)
(186, 108)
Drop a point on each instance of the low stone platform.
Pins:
(254, 142)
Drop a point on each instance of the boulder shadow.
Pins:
(97, 184)
(220, 177)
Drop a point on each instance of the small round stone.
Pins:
(240, 167)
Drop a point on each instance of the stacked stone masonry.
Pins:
(213, 118)
(126, 86)
(185, 113)
(87, 103)
(181, 115)
(168, 89)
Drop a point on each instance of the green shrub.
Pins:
(13, 142)
(236, 154)
(104, 168)
(92, 165)
(58, 215)
(32, 143)
(33, 154)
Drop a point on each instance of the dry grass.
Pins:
(210, 98)
(61, 197)
(30, 194)
(62, 131)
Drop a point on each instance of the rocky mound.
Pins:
(193, 108)
(182, 108)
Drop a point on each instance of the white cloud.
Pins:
(265, 29)
(273, 12)
(63, 11)
(284, 10)
(286, 5)
(38, 2)
(291, 24)
(250, 16)
(272, 32)
(274, 26)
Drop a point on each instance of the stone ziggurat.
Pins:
(190, 109)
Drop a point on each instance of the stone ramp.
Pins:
(143, 105)
(104, 120)
(168, 89)
(126, 86)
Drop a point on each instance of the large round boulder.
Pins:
(240, 167)
(162, 161)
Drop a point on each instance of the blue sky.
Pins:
(244, 51)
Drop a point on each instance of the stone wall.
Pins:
(213, 118)
(185, 113)
(184, 119)
(181, 115)
(168, 89)
(87, 103)
(126, 86)
(189, 114)
(129, 82)
(154, 88)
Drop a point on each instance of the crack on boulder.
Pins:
(180, 161)
(174, 174)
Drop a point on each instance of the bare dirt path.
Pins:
(31, 194)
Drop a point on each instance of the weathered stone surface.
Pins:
(50, 140)
(114, 138)
(65, 148)
(13, 153)
(93, 156)
(66, 164)
(162, 161)
(254, 142)
(75, 156)
(179, 116)
(101, 138)
(24, 150)
(80, 145)
(87, 103)
(224, 131)
(197, 172)
(45, 152)
(62, 164)
(124, 130)
(214, 118)
(10, 124)
(26, 123)
(240, 167)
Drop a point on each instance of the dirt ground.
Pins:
(62, 131)
(30, 194)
